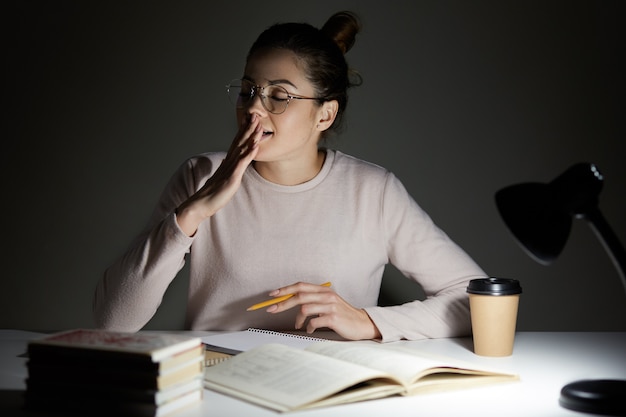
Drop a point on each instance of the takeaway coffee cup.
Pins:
(493, 309)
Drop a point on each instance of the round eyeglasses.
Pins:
(274, 98)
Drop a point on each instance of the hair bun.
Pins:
(342, 28)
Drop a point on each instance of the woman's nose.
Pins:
(255, 104)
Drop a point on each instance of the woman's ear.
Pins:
(327, 114)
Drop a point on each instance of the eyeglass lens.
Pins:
(273, 97)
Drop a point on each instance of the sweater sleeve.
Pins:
(132, 288)
(424, 253)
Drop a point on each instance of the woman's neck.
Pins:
(291, 172)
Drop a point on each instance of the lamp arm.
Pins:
(609, 240)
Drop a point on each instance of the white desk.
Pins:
(545, 362)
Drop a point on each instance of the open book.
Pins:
(330, 373)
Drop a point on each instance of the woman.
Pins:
(278, 214)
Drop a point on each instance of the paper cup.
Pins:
(493, 307)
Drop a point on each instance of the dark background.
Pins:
(459, 99)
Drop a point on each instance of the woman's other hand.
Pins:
(321, 307)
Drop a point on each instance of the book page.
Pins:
(285, 378)
(406, 365)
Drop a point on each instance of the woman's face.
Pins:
(293, 134)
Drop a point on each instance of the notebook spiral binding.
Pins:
(295, 336)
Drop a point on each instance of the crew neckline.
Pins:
(313, 182)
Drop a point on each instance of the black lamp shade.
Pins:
(540, 215)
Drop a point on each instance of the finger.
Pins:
(313, 311)
(300, 320)
(246, 159)
(239, 152)
(319, 322)
(306, 299)
(242, 149)
(243, 133)
(288, 304)
(253, 142)
(247, 130)
(300, 287)
(231, 170)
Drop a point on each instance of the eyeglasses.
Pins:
(273, 97)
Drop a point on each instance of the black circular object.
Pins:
(494, 286)
(601, 396)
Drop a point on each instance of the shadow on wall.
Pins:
(397, 289)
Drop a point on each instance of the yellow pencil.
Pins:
(277, 300)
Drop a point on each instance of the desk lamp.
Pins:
(540, 217)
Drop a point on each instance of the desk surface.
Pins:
(545, 362)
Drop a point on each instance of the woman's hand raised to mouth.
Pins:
(220, 188)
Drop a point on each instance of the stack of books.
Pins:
(94, 372)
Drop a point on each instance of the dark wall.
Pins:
(459, 100)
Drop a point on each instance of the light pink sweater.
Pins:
(342, 226)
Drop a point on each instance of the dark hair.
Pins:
(322, 53)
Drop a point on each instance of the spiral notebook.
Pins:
(236, 342)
